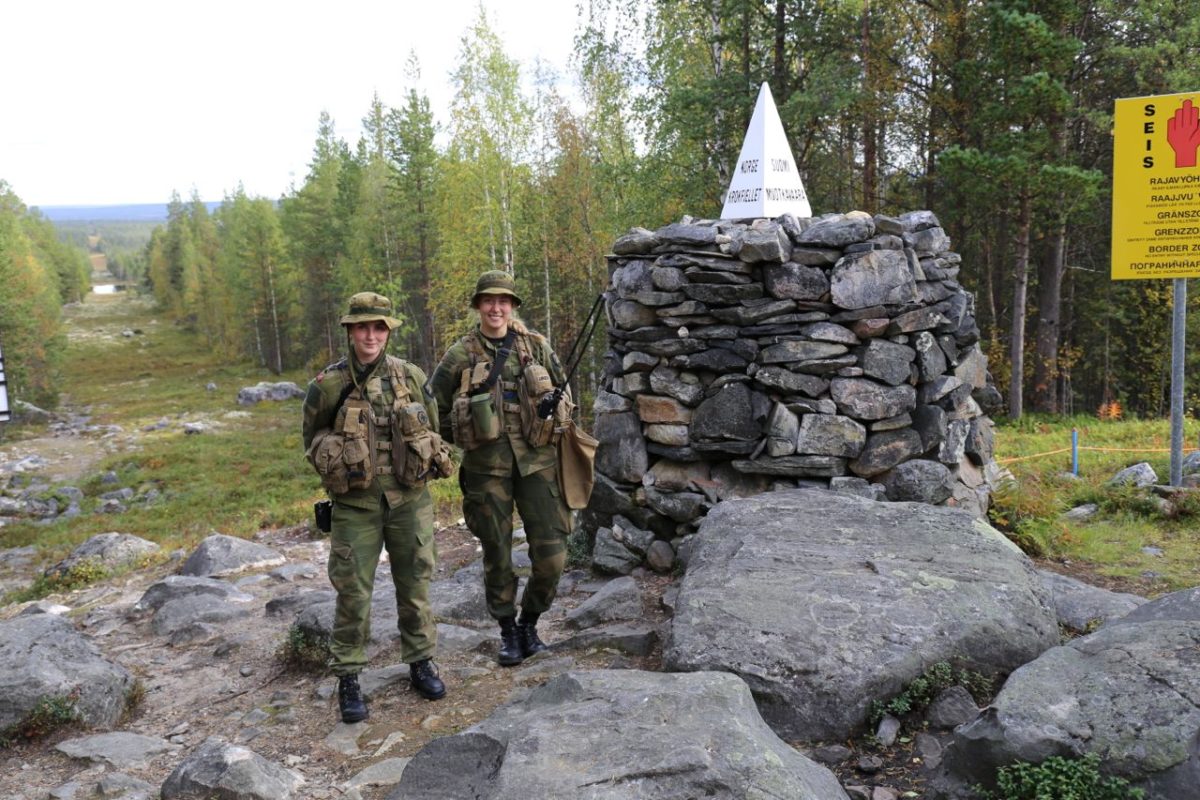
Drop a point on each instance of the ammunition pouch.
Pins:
(342, 456)
(355, 424)
(535, 384)
(474, 420)
(418, 454)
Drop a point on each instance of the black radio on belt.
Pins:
(323, 514)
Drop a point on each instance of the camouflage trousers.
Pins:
(358, 537)
(488, 509)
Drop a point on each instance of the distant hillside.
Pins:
(139, 212)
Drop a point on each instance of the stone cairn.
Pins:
(752, 355)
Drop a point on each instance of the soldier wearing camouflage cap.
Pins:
(487, 387)
(371, 433)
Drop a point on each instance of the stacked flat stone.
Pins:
(837, 351)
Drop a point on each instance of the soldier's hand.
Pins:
(548, 403)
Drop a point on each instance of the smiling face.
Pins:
(495, 312)
(368, 340)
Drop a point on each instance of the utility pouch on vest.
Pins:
(462, 427)
(354, 423)
(412, 445)
(484, 419)
(325, 454)
(535, 383)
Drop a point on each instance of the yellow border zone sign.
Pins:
(1156, 187)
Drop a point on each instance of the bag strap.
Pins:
(505, 349)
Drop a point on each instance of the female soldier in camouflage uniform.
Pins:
(371, 433)
(508, 455)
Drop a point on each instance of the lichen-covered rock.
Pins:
(43, 656)
(619, 733)
(217, 769)
(1127, 693)
(801, 594)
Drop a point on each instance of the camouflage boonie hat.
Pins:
(369, 307)
(495, 281)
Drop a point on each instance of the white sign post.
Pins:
(765, 181)
(5, 416)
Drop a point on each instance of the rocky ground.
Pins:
(237, 685)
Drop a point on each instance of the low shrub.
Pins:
(51, 713)
(921, 692)
(303, 651)
(85, 573)
(1061, 779)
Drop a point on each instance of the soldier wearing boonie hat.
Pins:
(508, 455)
(367, 428)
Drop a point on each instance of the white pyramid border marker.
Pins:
(765, 181)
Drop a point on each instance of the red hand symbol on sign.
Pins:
(1183, 134)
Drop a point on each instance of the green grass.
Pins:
(1030, 509)
(245, 473)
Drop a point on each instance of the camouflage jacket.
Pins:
(320, 410)
(496, 458)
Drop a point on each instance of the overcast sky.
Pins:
(123, 101)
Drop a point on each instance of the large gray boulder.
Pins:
(1081, 606)
(43, 656)
(316, 620)
(620, 598)
(119, 749)
(106, 549)
(461, 596)
(1181, 605)
(875, 278)
(217, 770)
(619, 734)
(174, 587)
(264, 390)
(184, 613)
(824, 602)
(622, 451)
(1129, 693)
(219, 555)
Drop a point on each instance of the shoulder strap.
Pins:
(399, 375)
(351, 387)
(505, 348)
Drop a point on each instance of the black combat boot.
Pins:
(350, 699)
(424, 677)
(510, 643)
(527, 635)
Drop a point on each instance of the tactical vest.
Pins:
(363, 445)
(479, 416)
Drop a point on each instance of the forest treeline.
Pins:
(39, 272)
(995, 114)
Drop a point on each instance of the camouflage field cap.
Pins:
(368, 307)
(495, 281)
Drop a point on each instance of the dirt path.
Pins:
(232, 682)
